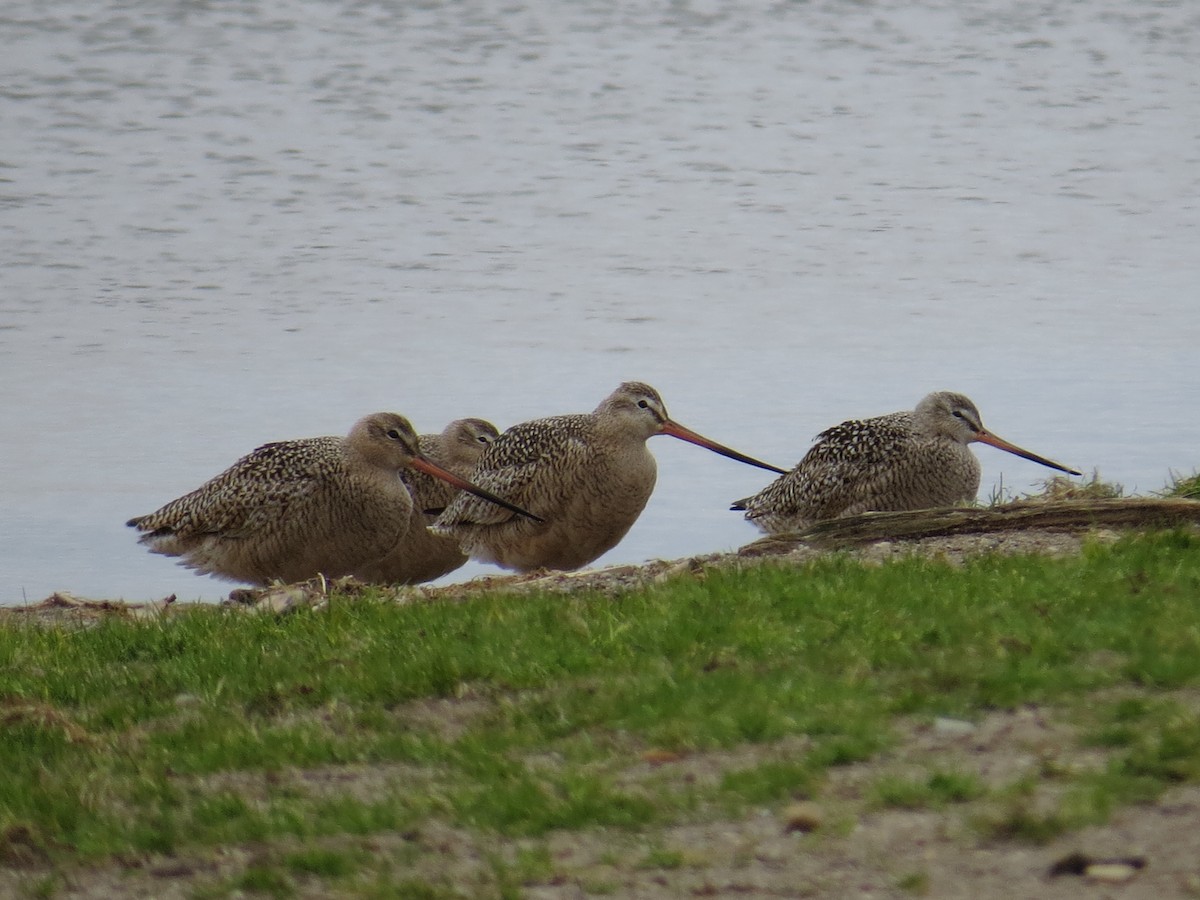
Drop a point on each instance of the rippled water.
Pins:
(227, 223)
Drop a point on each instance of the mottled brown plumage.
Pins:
(589, 476)
(295, 509)
(420, 555)
(906, 460)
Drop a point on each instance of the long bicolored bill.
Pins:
(431, 468)
(986, 437)
(674, 429)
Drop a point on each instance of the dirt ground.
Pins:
(838, 846)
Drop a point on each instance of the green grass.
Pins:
(771, 780)
(1062, 487)
(1186, 486)
(934, 791)
(915, 883)
(522, 716)
(324, 863)
(662, 858)
(265, 880)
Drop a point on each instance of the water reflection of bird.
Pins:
(420, 555)
(294, 509)
(588, 475)
(906, 460)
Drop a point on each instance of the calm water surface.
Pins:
(228, 223)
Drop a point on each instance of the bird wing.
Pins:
(245, 496)
(846, 463)
(526, 463)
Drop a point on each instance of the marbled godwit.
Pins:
(589, 476)
(294, 509)
(420, 554)
(906, 460)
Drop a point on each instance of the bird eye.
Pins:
(394, 434)
(958, 414)
(642, 404)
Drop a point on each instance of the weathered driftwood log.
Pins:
(1063, 515)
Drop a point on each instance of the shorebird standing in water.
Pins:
(420, 555)
(906, 460)
(588, 476)
(295, 509)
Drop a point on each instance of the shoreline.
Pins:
(1053, 528)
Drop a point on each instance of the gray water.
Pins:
(228, 223)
